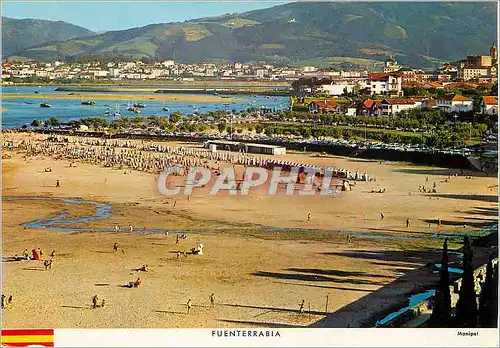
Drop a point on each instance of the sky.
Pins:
(115, 15)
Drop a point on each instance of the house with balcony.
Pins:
(388, 84)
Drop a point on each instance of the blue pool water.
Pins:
(413, 301)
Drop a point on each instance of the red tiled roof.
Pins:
(454, 98)
(378, 76)
(460, 85)
(368, 103)
(430, 102)
(435, 84)
(418, 98)
(461, 98)
(396, 101)
(324, 104)
(490, 100)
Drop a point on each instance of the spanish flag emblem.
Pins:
(28, 338)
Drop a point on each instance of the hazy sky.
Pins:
(114, 15)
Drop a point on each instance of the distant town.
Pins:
(476, 69)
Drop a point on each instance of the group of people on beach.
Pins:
(7, 302)
(36, 254)
(153, 157)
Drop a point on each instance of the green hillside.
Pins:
(19, 34)
(419, 34)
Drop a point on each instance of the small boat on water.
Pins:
(117, 111)
(139, 105)
(45, 105)
(36, 92)
(88, 102)
(165, 109)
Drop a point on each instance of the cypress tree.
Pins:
(488, 302)
(441, 313)
(467, 304)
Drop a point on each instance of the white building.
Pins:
(114, 72)
(489, 105)
(168, 63)
(385, 84)
(470, 73)
(261, 73)
(309, 69)
(336, 89)
(392, 106)
(454, 103)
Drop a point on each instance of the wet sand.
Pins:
(259, 277)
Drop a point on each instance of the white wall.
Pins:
(336, 89)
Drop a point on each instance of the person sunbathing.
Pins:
(138, 283)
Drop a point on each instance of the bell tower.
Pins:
(493, 52)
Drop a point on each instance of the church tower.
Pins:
(493, 52)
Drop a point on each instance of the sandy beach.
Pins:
(129, 97)
(258, 268)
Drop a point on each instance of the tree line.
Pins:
(471, 310)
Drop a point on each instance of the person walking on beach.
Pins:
(407, 222)
(115, 247)
(131, 229)
(94, 301)
(309, 217)
(58, 184)
(381, 216)
(189, 304)
(177, 239)
(117, 228)
(301, 308)
(3, 301)
(212, 300)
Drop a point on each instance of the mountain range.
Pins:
(345, 33)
